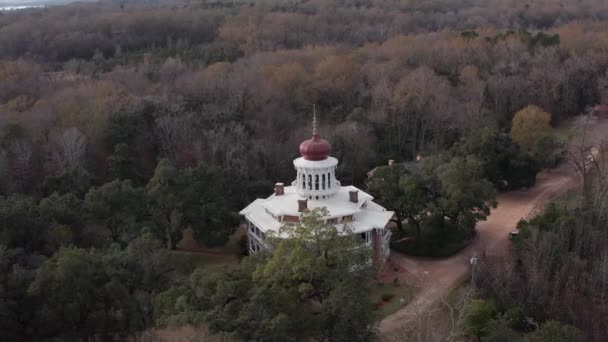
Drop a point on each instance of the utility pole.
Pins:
(473, 266)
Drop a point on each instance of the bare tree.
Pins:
(441, 323)
(70, 147)
(21, 153)
(589, 158)
(176, 134)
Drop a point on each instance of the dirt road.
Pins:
(436, 277)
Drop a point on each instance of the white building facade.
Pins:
(350, 209)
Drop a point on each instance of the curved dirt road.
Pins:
(436, 277)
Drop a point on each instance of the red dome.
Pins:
(315, 148)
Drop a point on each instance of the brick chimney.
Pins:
(302, 205)
(353, 196)
(279, 189)
(391, 162)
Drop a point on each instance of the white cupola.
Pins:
(316, 170)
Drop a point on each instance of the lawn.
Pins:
(387, 297)
(215, 259)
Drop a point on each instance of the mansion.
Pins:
(316, 186)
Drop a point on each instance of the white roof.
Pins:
(366, 213)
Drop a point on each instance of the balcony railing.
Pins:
(259, 240)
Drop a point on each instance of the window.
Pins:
(303, 181)
(309, 182)
(316, 182)
(329, 180)
(364, 237)
(323, 182)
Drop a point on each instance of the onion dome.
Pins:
(315, 148)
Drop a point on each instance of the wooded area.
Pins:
(122, 123)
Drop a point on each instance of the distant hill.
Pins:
(16, 4)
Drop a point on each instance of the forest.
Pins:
(123, 123)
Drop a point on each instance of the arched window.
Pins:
(303, 181)
(329, 180)
(316, 182)
(309, 182)
(323, 182)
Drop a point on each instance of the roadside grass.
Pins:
(387, 297)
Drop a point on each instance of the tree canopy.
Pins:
(304, 289)
(441, 198)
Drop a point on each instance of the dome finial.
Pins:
(315, 148)
(314, 120)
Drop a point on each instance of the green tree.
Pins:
(466, 196)
(164, 202)
(192, 196)
(401, 189)
(499, 330)
(70, 290)
(548, 150)
(503, 162)
(478, 316)
(553, 331)
(136, 274)
(130, 136)
(22, 225)
(82, 293)
(64, 214)
(205, 206)
(63, 209)
(304, 289)
(441, 197)
(316, 252)
(75, 180)
(17, 271)
(347, 314)
(118, 205)
(121, 164)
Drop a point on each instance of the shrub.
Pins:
(387, 296)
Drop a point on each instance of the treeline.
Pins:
(391, 100)
(76, 31)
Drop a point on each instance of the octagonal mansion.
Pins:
(316, 186)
